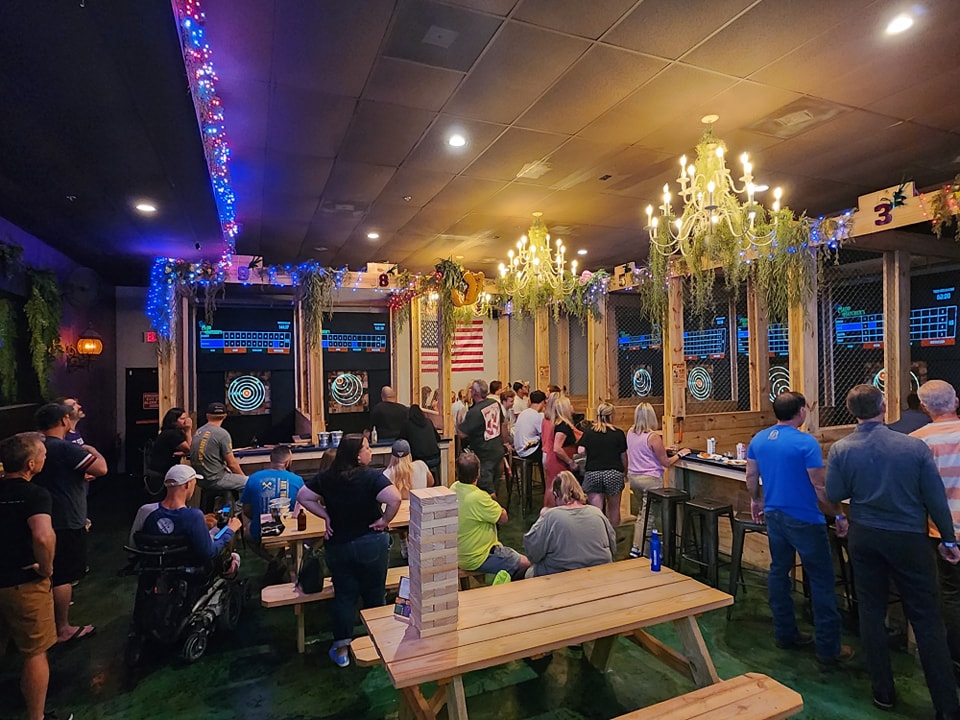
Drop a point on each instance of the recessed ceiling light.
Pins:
(320, 248)
(373, 235)
(146, 208)
(709, 119)
(582, 251)
(456, 140)
(458, 257)
(901, 22)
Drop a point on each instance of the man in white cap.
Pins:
(171, 516)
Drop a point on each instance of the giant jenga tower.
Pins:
(432, 551)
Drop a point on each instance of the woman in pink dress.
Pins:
(559, 442)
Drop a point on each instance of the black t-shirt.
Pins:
(351, 501)
(63, 476)
(569, 438)
(389, 418)
(19, 500)
(604, 449)
(162, 458)
(423, 441)
(482, 426)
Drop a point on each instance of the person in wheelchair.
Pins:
(188, 580)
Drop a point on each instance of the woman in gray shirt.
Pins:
(570, 536)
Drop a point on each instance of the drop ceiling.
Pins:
(338, 115)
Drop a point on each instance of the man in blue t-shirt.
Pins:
(173, 517)
(792, 506)
(273, 483)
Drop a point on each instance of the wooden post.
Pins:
(503, 347)
(896, 331)
(758, 346)
(171, 361)
(562, 371)
(674, 365)
(415, 345)
(541, 347)
(432, 551)
(804, 368)
(597, 356)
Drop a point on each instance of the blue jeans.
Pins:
(907, 558)
(789, 537)
(358, 569)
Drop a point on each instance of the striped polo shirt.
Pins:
(943, 438)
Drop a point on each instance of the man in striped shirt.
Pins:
(942, 435)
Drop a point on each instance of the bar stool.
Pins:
(705, 513)
(522, 469)
(668, 500)
(742, 524)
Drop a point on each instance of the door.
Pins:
(142, 415)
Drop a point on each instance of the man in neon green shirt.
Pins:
(479, 514)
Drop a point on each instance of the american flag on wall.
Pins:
(466, 351)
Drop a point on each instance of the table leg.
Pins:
(695, 650)
(599, 654)
(414, 706)
(456, 699)
(301, 628)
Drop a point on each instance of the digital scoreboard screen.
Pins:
(929, 326)
(707, 343)
(375, 342)
(235, 342)
(649, 341)
(777, 342)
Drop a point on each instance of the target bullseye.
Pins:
(699, 383)
(779, 381)
(347, 389)
(642, 382)
(246, 393)
(880, 380)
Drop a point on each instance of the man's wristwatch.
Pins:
(838, 518)
(950, 545)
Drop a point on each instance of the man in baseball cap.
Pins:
(211, 454)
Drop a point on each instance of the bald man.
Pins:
(388, 416)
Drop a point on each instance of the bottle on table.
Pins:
(301, 520)
(655, 558)
(373, 435)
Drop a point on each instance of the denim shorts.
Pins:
(500, 558)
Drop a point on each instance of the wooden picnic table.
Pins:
(516, 620)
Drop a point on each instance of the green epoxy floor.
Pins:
(258, 674)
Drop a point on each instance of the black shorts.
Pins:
(70, 558)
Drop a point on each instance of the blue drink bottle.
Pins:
(655, 551)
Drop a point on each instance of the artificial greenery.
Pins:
(10, 255)
(44, 313)
(447, 277)
(585, 300)
(943, 204)
(8, 352)
(316, 290)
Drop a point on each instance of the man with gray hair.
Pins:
(892, 485)
(484, 430)
(942, 435)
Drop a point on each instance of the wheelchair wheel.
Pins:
(194, 645)
(233, 606)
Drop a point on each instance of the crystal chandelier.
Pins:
(711, 214)
(536, 274)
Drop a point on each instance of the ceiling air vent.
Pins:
(796, 118)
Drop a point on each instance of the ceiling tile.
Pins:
(411, 84)
(353, 187)
(768, 31)
(464, 194)
(512, 151)
(419, 185)
(517, 200)
(668, 28)
(597, 81)
(587, 19)
(497, 7)
(308, 122)
(535, 57)
(434, 153)
(242, 34)
(382, 133)
(928, 101)
(439, 35)
(576, 207)
(631, 172)
(575, 163)
(676, 90)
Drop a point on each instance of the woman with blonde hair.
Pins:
(406, 473)
(646, 460)
(559, 441)
(571, 535)
(606, 448)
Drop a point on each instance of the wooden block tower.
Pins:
(432, 551)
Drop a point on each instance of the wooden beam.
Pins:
(896, 330)
(415, 345)
(503, 347)
(758, 349)
(562, 372)
(802, 339)
(674, 365)
(541, 348)
(921, 244)
(597, 356)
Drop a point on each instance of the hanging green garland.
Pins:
(10, 255)
(44, 314)
(8, 353)
(316, 289)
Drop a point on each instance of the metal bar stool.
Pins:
(704, 514)
(742, 524)
(668, 500)
(524, 478)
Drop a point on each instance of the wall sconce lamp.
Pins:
(89, 344)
